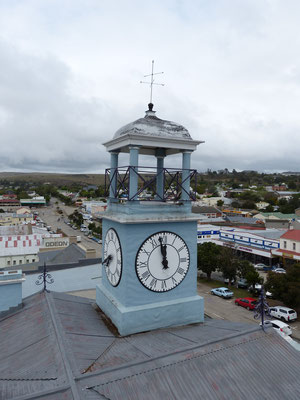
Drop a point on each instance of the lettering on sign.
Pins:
(57, 244)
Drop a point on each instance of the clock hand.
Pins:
(107, 260)
(163, 249)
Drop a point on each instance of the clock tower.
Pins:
(149, 238)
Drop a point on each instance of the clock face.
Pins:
(112, 257)
(162, 261)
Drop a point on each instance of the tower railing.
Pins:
(117, 183)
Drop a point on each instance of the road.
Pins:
(50, 216)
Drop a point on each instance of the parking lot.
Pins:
(219, 308)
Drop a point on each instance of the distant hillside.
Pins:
(55, 179)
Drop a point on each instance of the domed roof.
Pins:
(150, 125)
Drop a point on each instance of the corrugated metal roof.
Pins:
(68, 351)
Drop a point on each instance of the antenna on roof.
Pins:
(151, 83)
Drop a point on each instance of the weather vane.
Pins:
(151, 83)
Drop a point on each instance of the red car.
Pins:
(247, 302)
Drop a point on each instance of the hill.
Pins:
(52, 178)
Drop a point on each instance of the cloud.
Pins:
(70, 75)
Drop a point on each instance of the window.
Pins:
(33, 260)
(284, 244)
(8, 262)
(20, 262)
(294, 246)
(14, 262)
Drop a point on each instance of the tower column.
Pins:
(114, 155)
(186, 166)
(133, 177)
(160, 155)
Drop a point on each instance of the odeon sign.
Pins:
(61, 243)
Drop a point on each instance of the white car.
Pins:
(259, 267)
(281, 327)
(284, 313)
(279, 271)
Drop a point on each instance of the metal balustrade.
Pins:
(117, 183)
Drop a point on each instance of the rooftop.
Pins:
(293, 234)
(69, 350)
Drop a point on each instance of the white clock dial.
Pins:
(162, 261)
(112, 261)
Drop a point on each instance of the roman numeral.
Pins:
(181, 248)
(153, 283)
(174, 280)
(154, 243)
(146, 275)
(142, 264)
(180, 271)
(183, 259)
(163, 285)
(146, 252)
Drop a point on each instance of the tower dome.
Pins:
(151, 125)
(150, 133)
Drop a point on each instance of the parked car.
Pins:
(280, 271)
(281, 327)
(283, 313)
(247, 302)
(242, 283)
(226, 280)
(260, 267)
(268, 268)
(257, 288)
(222, 292)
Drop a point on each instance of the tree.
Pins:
(243, 267)
(228, 263)
(208, 257)
(220, 203)
(286, 287)
(253, 277)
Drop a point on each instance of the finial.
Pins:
(151, 83)
(150, 106)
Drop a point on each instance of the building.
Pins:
(58, 346)
(37, 201)
(18, 250)
(290, 244)
(8, 219)
(208, 211)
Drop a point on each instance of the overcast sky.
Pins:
(70, 73)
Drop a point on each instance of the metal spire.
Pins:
(151, 83)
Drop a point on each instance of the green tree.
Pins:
(220, 203)
(253, 277)
(208, 258)
(228, 263)
(286, 287)
(243, 267)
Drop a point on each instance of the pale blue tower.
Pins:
(149, 273)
